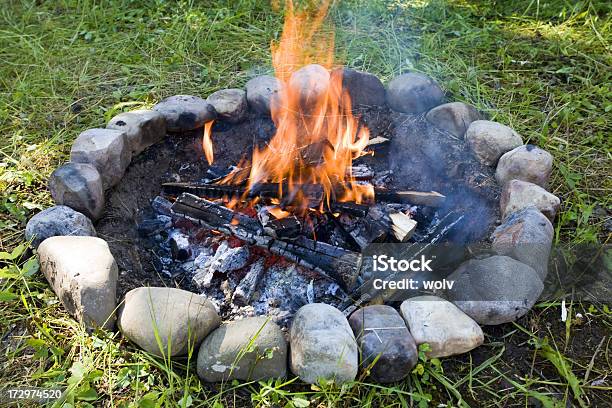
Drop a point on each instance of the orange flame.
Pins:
(207, 141)
(317, 137)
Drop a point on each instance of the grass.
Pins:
(540, 67)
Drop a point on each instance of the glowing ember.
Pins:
(317, 137)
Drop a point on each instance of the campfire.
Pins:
(313, 205)
(277, 204)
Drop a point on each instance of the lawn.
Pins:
(541, 67)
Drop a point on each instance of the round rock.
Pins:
(105, 149)
(495, 290)
(413, 93)
(442, 325)
(527, 163)
(322, 345)
(167, 321)
(261, 91)
(518, 195)
(230, 104)
(185, 112)
(143, 128)
(364, 89)
(78, 186)
(250, 349)
(83, 274)
(454, 117)
(525, 235)
(58, 220)
(490, 140)
(310, 83)
(381, 333)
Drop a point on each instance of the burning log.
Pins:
(402, 226)
(333, 262)
(313, 192)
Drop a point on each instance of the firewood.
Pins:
(335, 263)
(430, 199)
(377, 141)
(402, 226)
(450, 223)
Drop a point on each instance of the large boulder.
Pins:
(105, 149)
(78, 186)
(322, 345)
(83, 274)
(185, 112)
(413, 93)
(261, 92)
(143, 128)
(495, 290)
(364, 89)
(442, 325)
(518, 195)
(527, 163)
(490, 140)
(57, 220)
(453, 117)
(250, 349)
(167, 321)
(230, 104)
(383, 336)
(526, 236)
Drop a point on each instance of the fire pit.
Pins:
(271, 202)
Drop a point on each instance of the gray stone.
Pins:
(381, 333)
(83, 274)
(167, 321)
(413, 93)
(58, 220)
(490, 140)
(526, 235)
(106, 150)
(495, 290)
(78, 186)
(322, 345)
(185, 112)
(246, 288)
(230, 104)
(143, 128)
(518, 194)
(442, 325)
(311, 84)
(262, 92)
(527, 163)
(454, 117)
(364, 89)
(250, 349)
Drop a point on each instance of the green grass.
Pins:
(540, 67)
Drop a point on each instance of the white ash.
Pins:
(225, 260)
(283, 290)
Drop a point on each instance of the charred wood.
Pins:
(336, 263)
